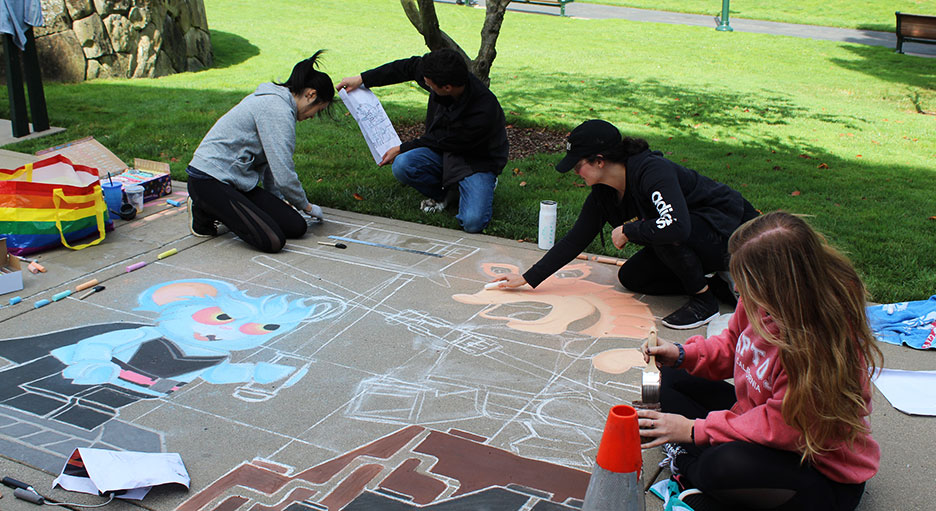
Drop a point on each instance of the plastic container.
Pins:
(113, 196)
(547, 225)
(135, 197)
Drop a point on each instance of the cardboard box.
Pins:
(153, 176)
(11, 273)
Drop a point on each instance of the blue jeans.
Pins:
(421, 168)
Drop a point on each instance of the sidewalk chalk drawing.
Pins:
(410, 469)
(200, 323)
(566, 301)
(380, 345)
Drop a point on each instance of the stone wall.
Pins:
(85, 39)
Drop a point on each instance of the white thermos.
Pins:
(547, 225)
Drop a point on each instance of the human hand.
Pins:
(350, 83)
(511, 280)
(618, 238)
(389, 156)
(663, 428)
(665, 352)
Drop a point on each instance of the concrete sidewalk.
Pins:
(598, 11)
(403, 384)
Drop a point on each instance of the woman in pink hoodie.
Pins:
(792, 432)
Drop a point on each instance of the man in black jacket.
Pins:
(465, 140)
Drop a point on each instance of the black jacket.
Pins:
(663, 197)
(469, 132)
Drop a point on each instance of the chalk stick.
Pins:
(86, 285)
(136, 266)
(582, 256)
(175, 203)
(493, 285)
(58, 296)
(167, 253)
(15, 300)
(606, 260)
(42, 303)
(35, 267)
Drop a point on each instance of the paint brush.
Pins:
(332, 244)
(650, 380)
(91, 291)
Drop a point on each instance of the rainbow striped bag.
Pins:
(51, 203)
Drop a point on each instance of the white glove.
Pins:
(315, 214)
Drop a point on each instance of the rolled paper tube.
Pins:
(167, 253)
(86, 285)
(15, 300)
(175, 203)
(136, 266)
(58, 296)
(42, 303)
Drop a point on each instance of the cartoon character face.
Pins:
(564, 301)
(217, 316)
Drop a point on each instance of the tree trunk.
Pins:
(422, 15)
(493, 18)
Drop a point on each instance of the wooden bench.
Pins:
(917, 28)
(549, 3)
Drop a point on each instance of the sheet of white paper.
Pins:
(375, 125)
(912, 392)
(125, 470)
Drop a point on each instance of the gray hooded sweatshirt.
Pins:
(255, 140)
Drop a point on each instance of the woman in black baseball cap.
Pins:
(682, 218)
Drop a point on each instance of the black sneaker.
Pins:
(722, 289)
(699, 310)
(197, 223)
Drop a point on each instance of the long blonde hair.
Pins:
(784, 268)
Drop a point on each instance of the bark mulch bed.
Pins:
(523, 141)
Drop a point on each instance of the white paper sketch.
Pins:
(375, 125)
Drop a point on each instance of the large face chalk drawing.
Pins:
(82, 376)
(566, 301)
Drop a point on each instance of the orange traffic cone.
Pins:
(615, 483)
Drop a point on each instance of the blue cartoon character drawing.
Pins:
(82, 376)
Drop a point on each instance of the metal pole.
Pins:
(723, 22)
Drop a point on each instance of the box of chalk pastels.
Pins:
(11, 274)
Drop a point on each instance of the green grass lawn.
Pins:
(868, 15)
(826, 129)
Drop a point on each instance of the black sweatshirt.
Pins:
(471, 128)
(664, 197)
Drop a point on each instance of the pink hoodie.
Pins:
(760, 383)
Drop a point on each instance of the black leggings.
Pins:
(744, 475)
(258, 217)
(680, 268)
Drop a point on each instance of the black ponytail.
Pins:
(627, 147)
(305, 76)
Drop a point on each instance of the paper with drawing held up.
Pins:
(375, 125)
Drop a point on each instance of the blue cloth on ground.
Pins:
(910, 323)
(668, 491)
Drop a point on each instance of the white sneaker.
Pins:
(432, 206)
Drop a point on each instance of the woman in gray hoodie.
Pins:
(251, 143)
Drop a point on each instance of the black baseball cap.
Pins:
(588, 139)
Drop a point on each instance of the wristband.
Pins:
(682, 355)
